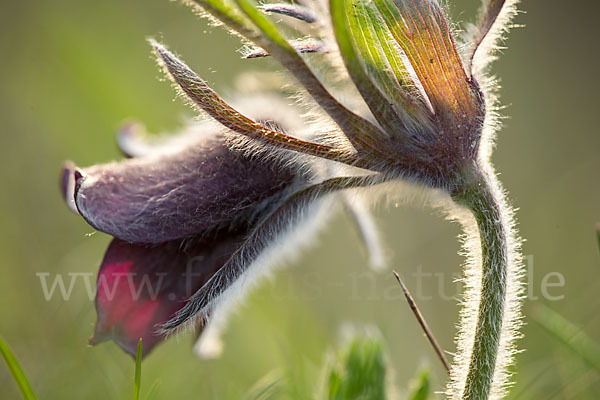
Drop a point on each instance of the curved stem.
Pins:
(483, 198)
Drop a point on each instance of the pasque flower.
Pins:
(201, 216)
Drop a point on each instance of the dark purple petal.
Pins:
(141, 287)
(162, 197)
(266, 235)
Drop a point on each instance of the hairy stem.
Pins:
(485, 377)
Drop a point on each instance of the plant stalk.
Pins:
(482, 197)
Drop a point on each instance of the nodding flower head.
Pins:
(192, 216)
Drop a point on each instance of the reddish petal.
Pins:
(140, 287)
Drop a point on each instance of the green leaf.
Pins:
(422, 387)
(373, 62)
(570, 335)
(138, 372)
(16, 371)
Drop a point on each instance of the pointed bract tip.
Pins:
(155, 45)
(160, 50)
(173, 65)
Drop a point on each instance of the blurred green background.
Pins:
(72, 71)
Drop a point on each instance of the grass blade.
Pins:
(16, 371)
(570, 335)
(138, 372)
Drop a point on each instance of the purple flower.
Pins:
(183, 212)
(195, 220)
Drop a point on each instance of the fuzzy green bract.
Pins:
(373, 63)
